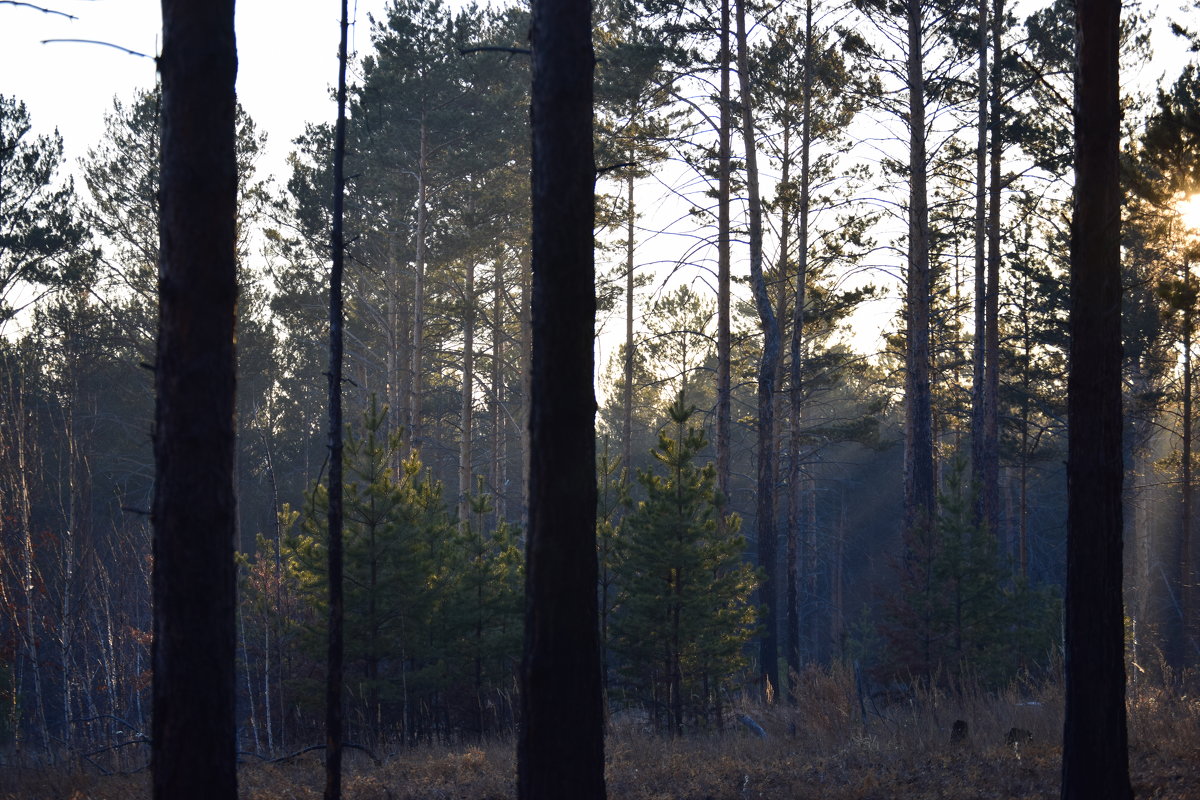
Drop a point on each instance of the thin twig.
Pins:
(43, 9)
(95, 41)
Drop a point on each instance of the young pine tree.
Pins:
(683, 616)
(396, 529)
(958, 612)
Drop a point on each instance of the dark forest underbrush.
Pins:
(836, 744)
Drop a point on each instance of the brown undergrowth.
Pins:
(834, 744)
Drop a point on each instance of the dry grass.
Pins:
(821, 749)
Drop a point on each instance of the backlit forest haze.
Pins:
(832, 248)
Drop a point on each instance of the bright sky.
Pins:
(287, 62)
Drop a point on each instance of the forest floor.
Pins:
(821, 749)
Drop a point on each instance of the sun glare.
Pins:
(1189, 212)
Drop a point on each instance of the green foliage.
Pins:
(683, 616)
(432, 611)
(40, 236)
(957, 612)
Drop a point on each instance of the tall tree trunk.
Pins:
(990, 472)
(724, 386)
(499, 437)
(1183, 553)
(978, 357)
(560, 753)
(919, 486)
(526, 361)
(395, 392)
(468, 398)
(1026, 454)
(194, 743)
(335, 662)
(1095, 755)
(768, 366)
(796, 350)
(627, 423)
(418, 314)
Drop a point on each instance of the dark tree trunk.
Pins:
(418, 318)
(467, 413)
(795, 355)
(1183, 578)
(333, 681)
(1095, 757)
(980, 298)
(560, 750)
(627, 423)
(919, 489)
(724, 341)
(194, 744)
(768, 366)
(499, 435)
(990, 469)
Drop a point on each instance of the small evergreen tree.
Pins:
(483, 618)
(957, 611)
(683, 615)
(395, 527)
(433, 609)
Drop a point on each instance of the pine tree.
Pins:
(396, 570)
(683, 615)
(956, 613)
(39, 231)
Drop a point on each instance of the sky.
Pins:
(288, 61)
(287, 52)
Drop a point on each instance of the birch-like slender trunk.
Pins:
(499, 429)
(468, 397)
(418, 299)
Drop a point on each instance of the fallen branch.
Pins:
(313, 747)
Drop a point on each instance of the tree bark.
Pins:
(194, 744)
(796, 351)
(560, 749)
(336, 648)
(468, 397)
(1183, 577)
(724, 409)
(499, 438)
(978, 357)
(768, 366)
(919, 486)
(627, 423)
(418, 318)
(990, 469)
(1095, 756)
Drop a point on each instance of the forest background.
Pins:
(437, 354)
